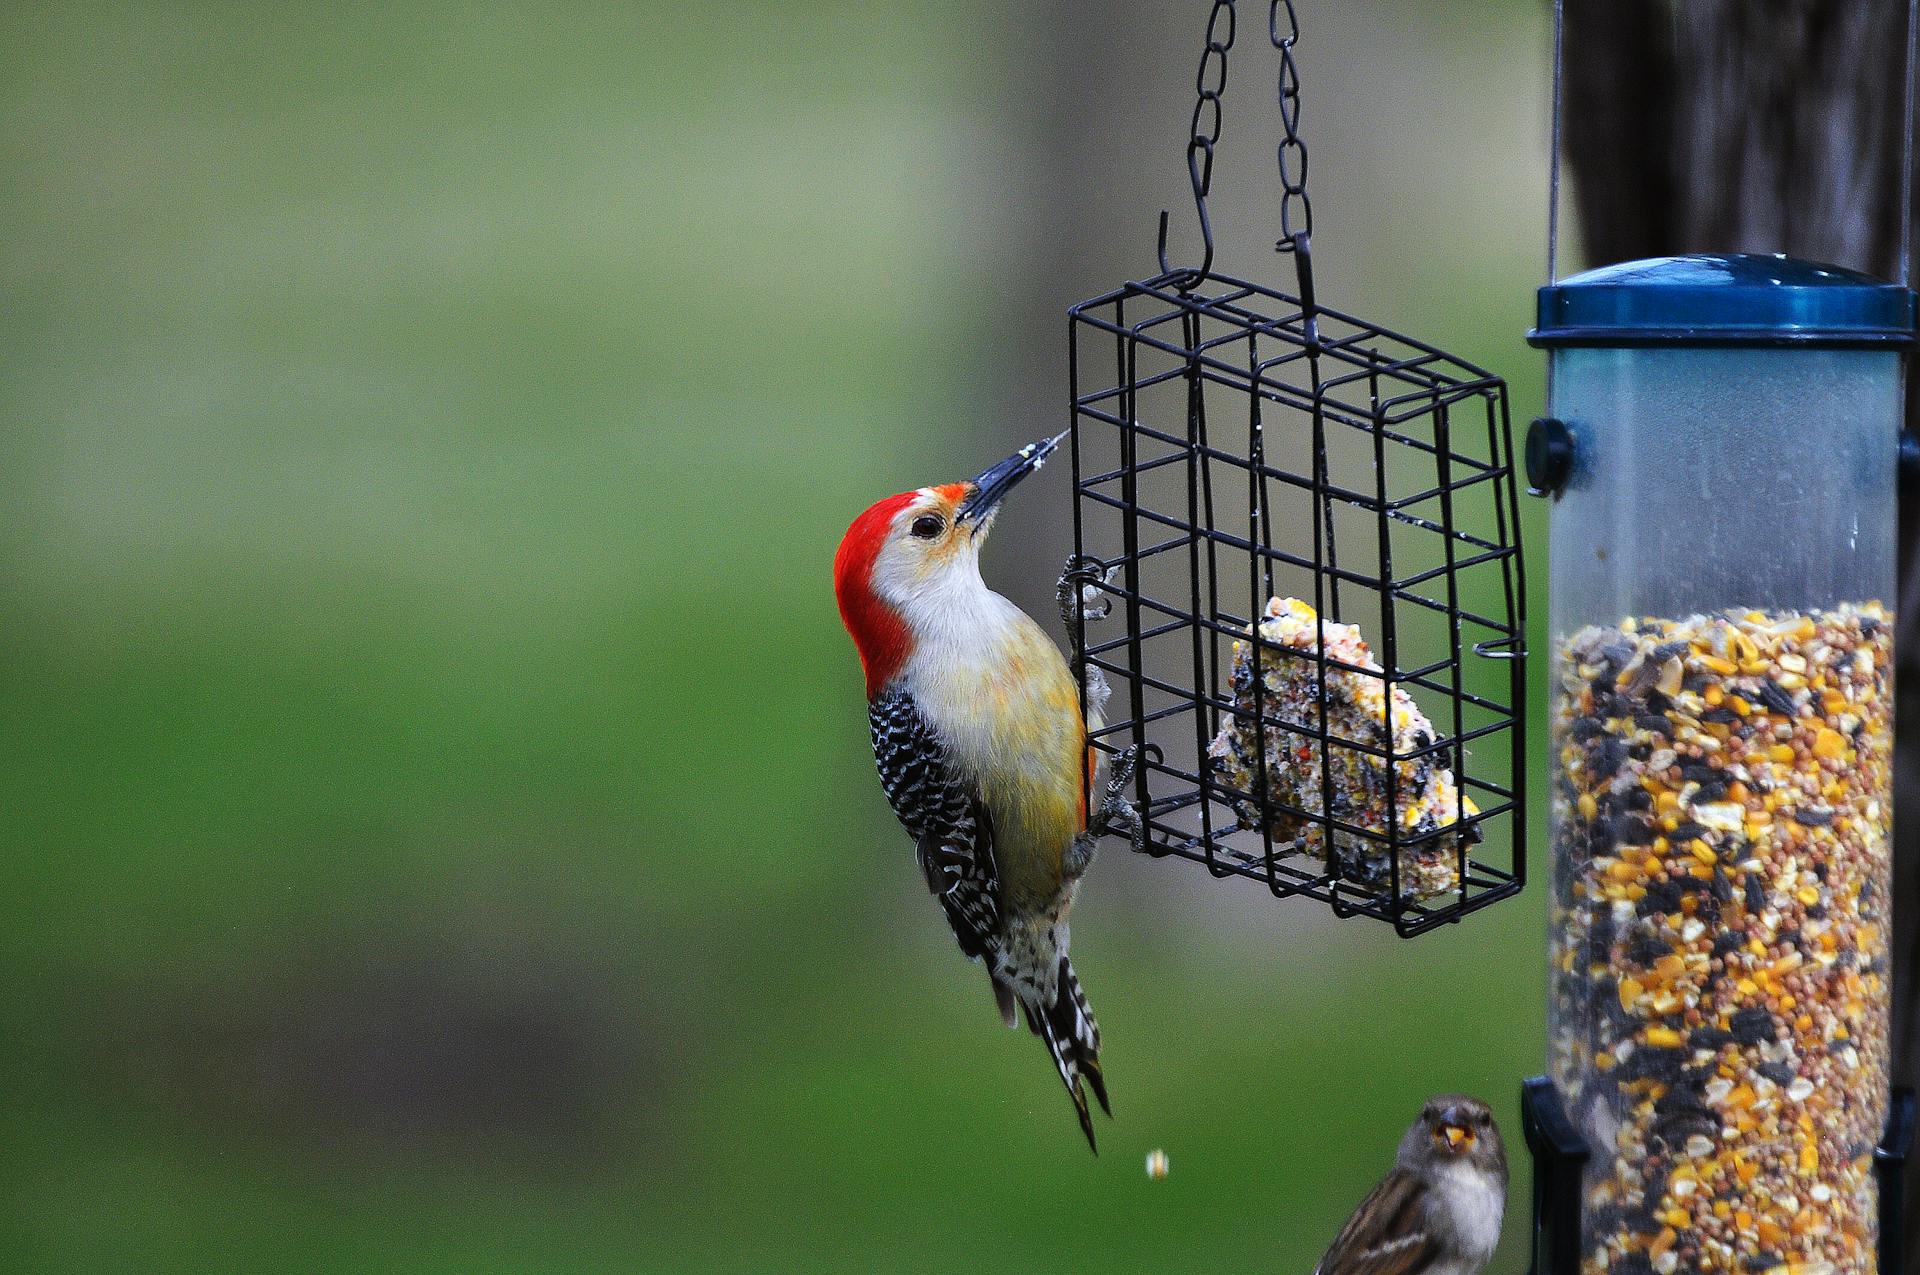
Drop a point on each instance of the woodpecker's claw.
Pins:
(1081, 600)
(1079, 856)
(1118, 816)
(1115, 815)
(1079, 593)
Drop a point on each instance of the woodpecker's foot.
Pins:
(1079, 855)
(1119, 816)
(1079, 594)
(1116, 814)
(1120, 774)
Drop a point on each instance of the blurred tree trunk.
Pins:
(1762, 126)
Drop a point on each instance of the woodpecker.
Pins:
(982, 748)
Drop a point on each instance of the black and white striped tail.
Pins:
(1073, 1038)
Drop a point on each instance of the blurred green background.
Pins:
(441, 828)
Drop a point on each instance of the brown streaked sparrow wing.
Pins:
(1387, 1234)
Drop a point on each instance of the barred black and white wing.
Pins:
(946, 820)
(1026, 963)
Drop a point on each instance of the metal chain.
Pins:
(1210, 82)
(1296, 210)
(1210, 85)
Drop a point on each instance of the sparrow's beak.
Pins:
(991, 487)
(1454, 1135)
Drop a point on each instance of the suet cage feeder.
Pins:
(1235, 447)
(1721, 452)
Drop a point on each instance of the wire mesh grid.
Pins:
(1232, 445)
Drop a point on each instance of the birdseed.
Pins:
(1719, 936)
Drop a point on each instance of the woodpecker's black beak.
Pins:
(992, 486)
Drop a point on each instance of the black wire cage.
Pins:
(1242, 455)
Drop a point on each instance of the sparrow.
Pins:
(1438, 1212)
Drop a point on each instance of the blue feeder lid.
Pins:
(1725, 299)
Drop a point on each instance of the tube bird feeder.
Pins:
(1721, 454)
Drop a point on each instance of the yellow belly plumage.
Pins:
(1011, 717)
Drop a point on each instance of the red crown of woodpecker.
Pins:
(879, 633)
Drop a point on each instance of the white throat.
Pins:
(947, 607)
(1467, 1204)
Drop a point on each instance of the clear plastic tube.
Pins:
(1721, 704)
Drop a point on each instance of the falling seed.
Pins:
(1157, 1164)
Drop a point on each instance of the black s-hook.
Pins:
(1210, 84)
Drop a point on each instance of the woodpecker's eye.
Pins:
(928, 526)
